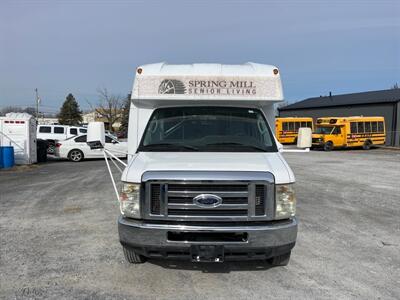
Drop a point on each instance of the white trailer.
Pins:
(19, 130)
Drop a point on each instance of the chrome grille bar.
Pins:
(195, 193)
(193, 206)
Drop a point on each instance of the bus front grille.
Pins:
(176, 201)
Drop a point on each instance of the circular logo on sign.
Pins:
(171, 86)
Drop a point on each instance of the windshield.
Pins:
(324, 129)
(208, 129)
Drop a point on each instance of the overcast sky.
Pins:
(79, 46)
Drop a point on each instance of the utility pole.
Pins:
(37, 104)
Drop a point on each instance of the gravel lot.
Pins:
(58, 237)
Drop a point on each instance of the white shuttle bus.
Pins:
(205, 179)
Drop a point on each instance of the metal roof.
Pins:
(372, 97)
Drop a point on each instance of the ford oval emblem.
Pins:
(207, 200)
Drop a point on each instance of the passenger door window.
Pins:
(59, 130)
(81, 139)
(73, 131)
(44, 129)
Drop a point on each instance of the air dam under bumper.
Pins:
(239, 242)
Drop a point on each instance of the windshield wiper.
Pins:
(237, 144)
(168, 146)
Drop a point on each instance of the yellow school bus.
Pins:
(339, 132)
(286, 129)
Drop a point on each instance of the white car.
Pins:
(76, 149)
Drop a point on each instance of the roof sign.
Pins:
(211, 87)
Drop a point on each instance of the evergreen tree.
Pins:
(70, 114)
(125, 116)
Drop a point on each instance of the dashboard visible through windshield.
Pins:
(208, 129)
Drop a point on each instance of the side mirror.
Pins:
(96, 135)
(304, 138)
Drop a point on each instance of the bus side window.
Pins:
(285, 126)
(309, 124)
(360, 127)
(291, 126)
(373, 127)
(296, 126)
(303, 124)
(380, 127)
(367, 127)
(353, 127)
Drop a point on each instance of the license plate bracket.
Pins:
(207, 253)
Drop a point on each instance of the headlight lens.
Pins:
(129, 200)
(285, 201)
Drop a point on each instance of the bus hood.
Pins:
(208, 161)
(318, 136)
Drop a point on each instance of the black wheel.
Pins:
(367, 145)
(132, 257)
(75, 155)
(328, 146)
(280, 260)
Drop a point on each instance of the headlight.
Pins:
(129, 200)
(285, 201)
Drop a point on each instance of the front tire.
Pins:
(328, 146)
(75, 155)
(280, 260)
(132, 257)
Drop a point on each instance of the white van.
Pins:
(205, 180)
(53, 133)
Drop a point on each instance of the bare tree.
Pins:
(394, 86)
(109, 107)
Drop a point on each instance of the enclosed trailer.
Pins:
(19, 130)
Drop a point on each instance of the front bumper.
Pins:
(263, 240)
